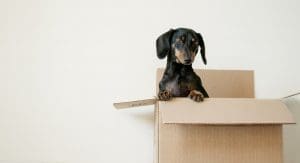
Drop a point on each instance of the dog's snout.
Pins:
(187, 60)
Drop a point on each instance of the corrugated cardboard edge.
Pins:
(156, 120)
(156, 133)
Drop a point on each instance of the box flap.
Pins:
(225, 111)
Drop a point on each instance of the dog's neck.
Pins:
(174, 69)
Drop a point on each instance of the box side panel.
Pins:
(228, 83)
(156, 134)
(220, 144)
(224, 83)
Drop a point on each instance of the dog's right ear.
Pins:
(163, 44)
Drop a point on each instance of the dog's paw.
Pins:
(196, 96)
(164, 95)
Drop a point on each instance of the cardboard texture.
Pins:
(232, 128)
(225, 111)
(137, 103)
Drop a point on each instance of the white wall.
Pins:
(63, 63)
(292, 132)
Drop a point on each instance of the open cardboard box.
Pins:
(229, 127)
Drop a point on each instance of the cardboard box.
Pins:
(229, 127)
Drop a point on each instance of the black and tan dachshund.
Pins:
(179, 79)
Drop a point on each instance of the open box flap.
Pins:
(225, 111)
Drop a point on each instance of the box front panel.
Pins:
(219, 144)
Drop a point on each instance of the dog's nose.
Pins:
(187, 60)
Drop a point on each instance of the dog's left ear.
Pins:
(202, 51)
(163, 44)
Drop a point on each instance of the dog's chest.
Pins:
(179, 87)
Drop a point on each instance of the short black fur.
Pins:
(179, 79)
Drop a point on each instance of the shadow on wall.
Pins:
(291, 133)
(143, 115)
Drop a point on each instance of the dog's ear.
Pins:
(163, 44)
(201, 43)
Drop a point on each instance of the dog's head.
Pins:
(180, 45)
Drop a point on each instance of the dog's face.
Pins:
(185, 45)
(180, 45)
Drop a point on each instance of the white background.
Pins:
(64, 62)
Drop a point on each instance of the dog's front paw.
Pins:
(196, 96)
(164, 95)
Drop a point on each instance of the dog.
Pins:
(180, 46)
